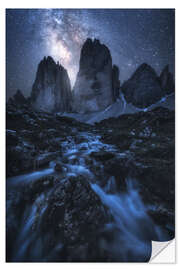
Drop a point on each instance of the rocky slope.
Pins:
(97, 83)
(77, 192)
(51, 90)
(121, 107)
(149, 139)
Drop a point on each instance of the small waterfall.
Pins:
(29, 246)
(23, 242)
(131, 230)
(111, 185)
(26, 178)
(132, 226)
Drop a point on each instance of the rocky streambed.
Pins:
(77, 192)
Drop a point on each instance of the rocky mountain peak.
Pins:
(18, 99)
(145, 69)
(94, 55)
(167, 80)
(143, 88)
(51, 90)
(93, 90)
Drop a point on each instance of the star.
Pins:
(133, 36)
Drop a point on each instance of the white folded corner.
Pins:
(163, 252)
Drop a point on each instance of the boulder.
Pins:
(73, 217)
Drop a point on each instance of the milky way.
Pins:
(133, 37)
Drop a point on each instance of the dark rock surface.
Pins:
(54, 213)
(76, 214)
(51, 90)
(167, 80)
(147, 140)
(18, 99)
(34, 138)
(115, 82)
(143, 88)
(97, 82)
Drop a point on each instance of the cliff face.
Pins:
(167, 80)
(51, 90)
(97, 84)
(115, 82)
(93, 90)
(143, 88)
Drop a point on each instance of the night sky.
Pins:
(133, 37)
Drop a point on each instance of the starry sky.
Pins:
(134, 36)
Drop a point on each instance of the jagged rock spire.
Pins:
(94, 86)
(51, 90)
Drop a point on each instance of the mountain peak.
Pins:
(94, 88)
(51, 90)
(143, 88)
(167, 80)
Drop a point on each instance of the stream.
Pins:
(131, 228)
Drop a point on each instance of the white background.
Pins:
(167, 253)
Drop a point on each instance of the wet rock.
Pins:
(88, 161)
(35, 188)
(58, 167)
(45, 159)
(102, 156)
(69, 216)
(121, 169)
(19, 159)
(147, 141)
(74, 213)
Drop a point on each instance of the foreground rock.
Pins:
(34, 138)
(97, 82)
(51, 90)
(68, 221)
(75, 215)
(60, 215)
(147, 143)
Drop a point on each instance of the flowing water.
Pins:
(131, 229)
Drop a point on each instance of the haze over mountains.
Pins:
(97, 89)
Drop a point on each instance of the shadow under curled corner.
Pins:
(163, 252)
